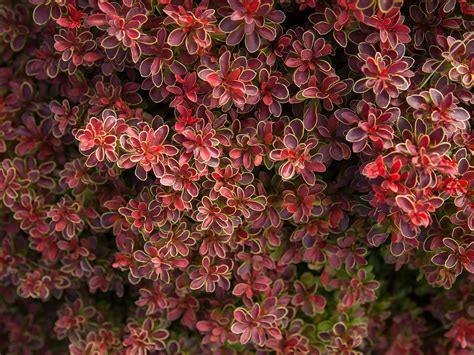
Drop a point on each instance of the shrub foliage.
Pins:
(236, 176)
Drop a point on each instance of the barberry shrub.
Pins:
(236, 177)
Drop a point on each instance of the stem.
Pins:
(444, 60)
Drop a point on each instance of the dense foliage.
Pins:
(236, 176)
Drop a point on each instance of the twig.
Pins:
(444, 60)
